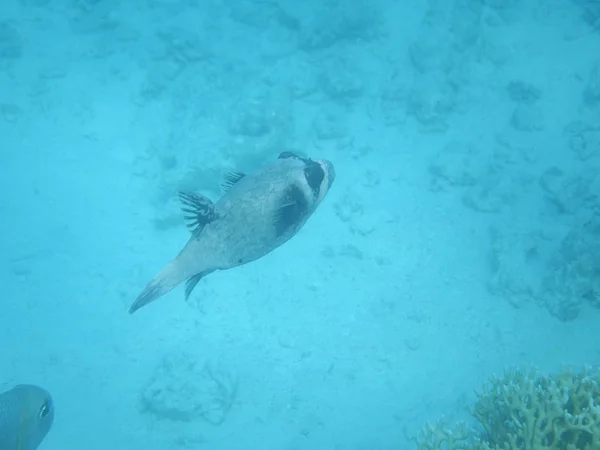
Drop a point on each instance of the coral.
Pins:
(11, 43)
(584, 139)
(438, 437)
(180, 45)
(431, 101)
(329, 123)
(518, 261)
(341, 80)
(391, 102)
(186, 389)
(527, 410)
(260, 123)
(496, 189)
(334, 22)
(574, 269)
(523, 92)
(592, 91)
(568, 193)
(557, 271)
(459, 163)
(527, 118)
(591, 12)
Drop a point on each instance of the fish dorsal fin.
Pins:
(230, 178)
(288, 154)
(292, 208)
(198, 209)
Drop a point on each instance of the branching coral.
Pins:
(529, 411)
(438, 437)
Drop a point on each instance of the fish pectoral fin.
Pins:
(199, 210)
(230, 178)
(191, 283)
(292, 209)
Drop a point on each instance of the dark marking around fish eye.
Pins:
(314, 174)
(292, 209)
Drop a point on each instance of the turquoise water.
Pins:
(461, 237)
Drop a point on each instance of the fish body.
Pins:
(258, 213)
(26, 416)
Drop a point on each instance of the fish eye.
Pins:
(44, 410)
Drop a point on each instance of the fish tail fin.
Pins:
(164, 282)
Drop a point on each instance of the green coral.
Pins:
(527, 410)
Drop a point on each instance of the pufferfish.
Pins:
(258, 212)
(26, 416)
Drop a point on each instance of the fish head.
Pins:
(329, 171)
(35, 409)
(318, 174)
(320, 184)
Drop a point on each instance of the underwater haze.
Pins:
(460, 239)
